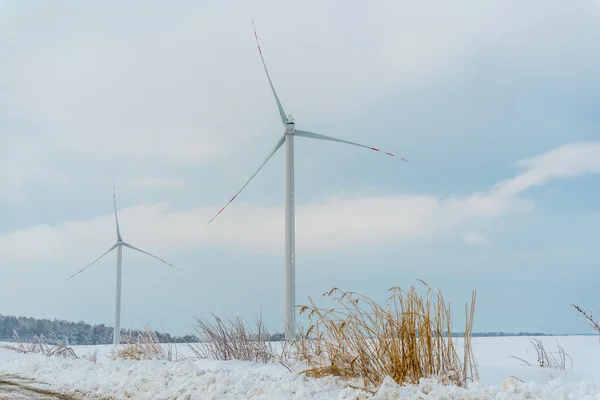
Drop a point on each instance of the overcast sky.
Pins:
(494, 104)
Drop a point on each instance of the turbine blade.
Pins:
(277, 146)
(279, 106)
(312, 135)
(96, 260)
(116, 218)
(151, 255)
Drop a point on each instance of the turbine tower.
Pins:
(119, 246)
(290, 132)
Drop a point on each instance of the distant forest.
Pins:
(77, 333)
(80, 333)
(70, 333)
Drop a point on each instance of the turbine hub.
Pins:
(290, 126)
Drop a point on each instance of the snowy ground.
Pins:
(500, 375)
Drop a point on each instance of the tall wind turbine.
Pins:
(290, 132)
(119, 246)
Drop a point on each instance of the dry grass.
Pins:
(39, 345)
(92, 356)
(231, 339)
(145, 346)
(557, 360)
(590, 318)
(407, 339)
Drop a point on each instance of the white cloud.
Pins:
(567, 161)
(336, 224)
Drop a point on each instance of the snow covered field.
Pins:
(500, 375)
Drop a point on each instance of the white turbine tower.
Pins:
(119, 246)
(288, 138)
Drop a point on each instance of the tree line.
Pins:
(69, 333)
(78, 333)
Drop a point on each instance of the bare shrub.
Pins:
(144, 346)
(556, 360)
(231, 339)
(408, 339)
(40, 345)
(590, 318)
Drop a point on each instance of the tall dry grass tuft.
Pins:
(557, 360)
(407, 339)
(92, 356)
(144, 346)
(231, 339)
(40, 345)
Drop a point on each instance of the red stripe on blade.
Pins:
(389, 154)
(373, 148)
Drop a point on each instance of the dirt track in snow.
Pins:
(15, 388)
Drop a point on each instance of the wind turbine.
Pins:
(290, 132)
(119, 246)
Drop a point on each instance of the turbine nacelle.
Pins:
(290, 125)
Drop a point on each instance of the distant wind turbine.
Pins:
(119, 246)
(290, 254)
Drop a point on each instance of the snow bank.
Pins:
(173, 380)
(510, 388)
(205, 379)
